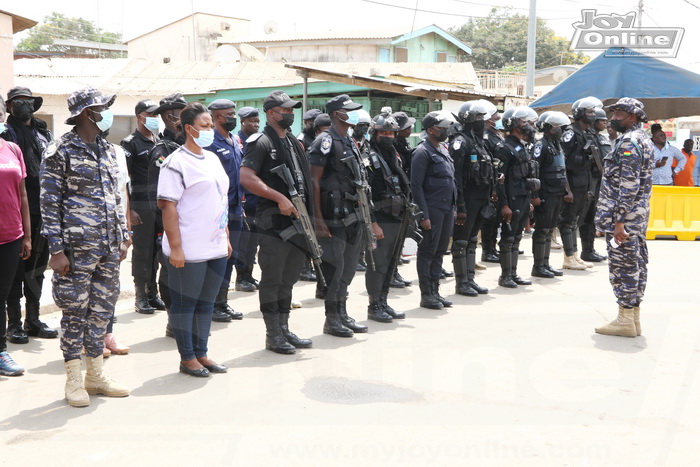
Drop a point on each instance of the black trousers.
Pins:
(474, 220)
(248, 244)
(571, 217)
(433, 247)
(547, 214)
(29, 276)
(378, 280)
(587, 227)
(9, 257)
(280, 265)
(512, 233)
(144, 261)
(341, 253)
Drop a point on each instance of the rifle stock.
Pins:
(362, 210)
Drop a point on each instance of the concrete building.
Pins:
(10, 24)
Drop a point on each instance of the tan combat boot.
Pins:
(580, 261)
(571, 263)
(96, 382)
(556, 244)
(622, 326)
(75, 391)
(637, 326)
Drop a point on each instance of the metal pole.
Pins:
(531, 38)
(306, 93)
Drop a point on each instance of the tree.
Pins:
(500, 41)
(58, 26)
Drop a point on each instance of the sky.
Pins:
(133, 18)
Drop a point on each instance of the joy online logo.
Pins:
(600, 32)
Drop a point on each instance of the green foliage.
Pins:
(500, 40)
(58, 26)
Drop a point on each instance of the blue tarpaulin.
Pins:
(667, 91)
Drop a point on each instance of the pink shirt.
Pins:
(199, 186)
(12, 172)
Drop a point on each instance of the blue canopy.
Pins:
(667, 91)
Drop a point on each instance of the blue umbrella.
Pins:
(667, 91)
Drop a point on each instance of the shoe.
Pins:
(580, 261)
(8, 367)
(445, 273)
(556, 272)
(308, 276)
(571, 263)
(199, 372)
(399, 278)
(76, 395)
(436, 293)
(334, 324)
(592, 256)
(16, 335)
(542, 271)
(361, 266)
(34, 327)
(388, 309)
(321, 292)
(463, 288)
(97, 382)
(637, 325)
(141, 304)
(490, 257)
(296, 304)
(289, 336)
(244, 286)
(396, 284)
(157, 303)
(220, 316)
(404, 261)
(376, 312)
(216, 368)
(230, 311)
(480, 267)
(106, 353)
(622, 326)
(274, 333)
(506, 281)
(169, 331)
(347, 320)
(479, 289)
(115, 347)
(427, 299)
(519, 280)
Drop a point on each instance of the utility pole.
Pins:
(640, 10)
(531, 39)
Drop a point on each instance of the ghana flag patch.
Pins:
(626, 153)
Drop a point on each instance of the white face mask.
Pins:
(205, 138)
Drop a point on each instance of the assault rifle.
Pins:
(362, 210)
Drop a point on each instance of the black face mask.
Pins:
(360, 130)
(230, 124)
(528, 132)
(556, 132)
(385, 142)
(478, 128)
(21, 111)
(588, 119)
(617, 126)
(287, 121)
(442, 136)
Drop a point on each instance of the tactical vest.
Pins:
(392, 201)
(552, 165)
(337, 181)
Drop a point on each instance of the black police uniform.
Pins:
(280, 261)
(475, 180)
(404, 149)
(517, 168)
(575, 141)
(390, 194)
(435, 192)
(341, 252)
(249, 238)
(143, 257)
(587, 227)
(552, 170)
(489, 228)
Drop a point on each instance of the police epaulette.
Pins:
(128, 139)
(253, 138)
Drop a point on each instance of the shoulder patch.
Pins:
(568, 134)
(538, 150)
(51, 149)
(159, 161)
(326, 143)
(254, 137)
(128, 139)
(457, 144)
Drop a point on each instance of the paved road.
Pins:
(511, 378)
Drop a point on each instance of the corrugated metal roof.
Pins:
(384, 33)
(61, 76)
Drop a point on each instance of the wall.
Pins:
(6, 54)
(423, 48)
(322, 53)
(175, 40)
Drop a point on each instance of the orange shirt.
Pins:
(685, 176)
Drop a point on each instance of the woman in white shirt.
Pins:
(192, 194)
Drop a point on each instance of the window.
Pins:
(452, 59)
(440, 57)
(400, 54)
(384, 55)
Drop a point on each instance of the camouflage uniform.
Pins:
(80, 207)
(624, 197)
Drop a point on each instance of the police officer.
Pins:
(32, 136)
(435, 192)
(308, 133)
(280, 261)
(554, 189)
(577, 142)
(587, 228)
(248, 244)
(401, 143)
(332, 156)
(390, 196)
(475, 179)
(228, 151)
(171, 139)
(85, 226)
(138, 146)
(489, 228)
(514, 199)
(360, 132)
(623, 213)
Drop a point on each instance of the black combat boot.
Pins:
(34, 327)
(539, 248)
(427, 299)
(387, 308)
(141, 300)
(471, 269)
(548, 248)
(400, 278)
(375, 311)
(242, 284)
(289, 336)
(348, 321)
(223, 313)
(15, 333)
(153, 298)
(334, 325)
(506, 268)
(274, 339)
(435, 287)
(459, 263)
(307, 273)
(514, 271)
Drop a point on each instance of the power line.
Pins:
(692, 4)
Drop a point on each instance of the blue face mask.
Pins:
(205, 139)
(498, 125)
(107, 119)
(152, 124)
(3, 127)
(353, 118)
